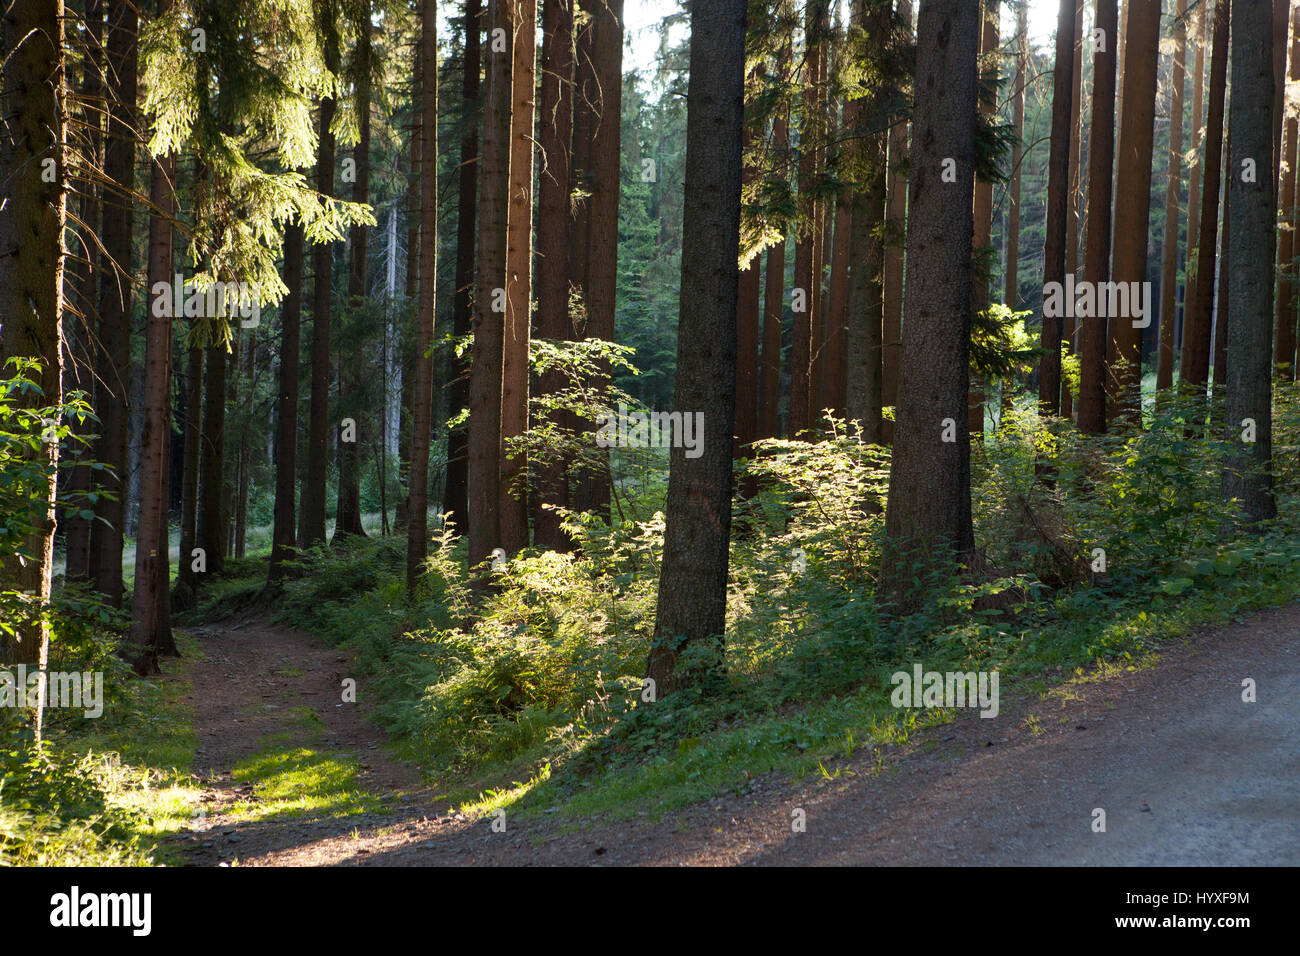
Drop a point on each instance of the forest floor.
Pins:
(1186, 771)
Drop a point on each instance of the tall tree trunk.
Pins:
(800, 414)
(1169, 256)
(554, 215)
(769, 408)
(1058, 202)
(1096, 252)
(112, 402)
(519, 280)
(192, 441)
(1070, 327)
(981, 287)
(600, 97)
(896, 225)
(212, 512)
(1285, 336)
(1195, 366)
(692, 602)
(32, 220)
(286, 423)
(1133, 208)
(149, 614)
(80, 353)
(456, 498)
(748, 292)
(348, 520)
(489, 296)
(417, 518)
(928, 517)
(1252, 217)
(311, 516)
(1011, 289)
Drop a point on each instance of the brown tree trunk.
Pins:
(519, 280)
(801, 414)
(928, 517)
(489, 297)
(692, 603)
(1285, 341)
(1252, 210)
(192, 441)
(212, 523)
(456, 498)
(348, 518)
(32, 221)
(1070, 327)
(896, 226)
(981, 287)
(1096, 252)
(1195, 366)
(114, 373)
(1133, 208)
(1058, 202)
(80, 357)
(1011, 289)
(311, 516)
(417, 518)
(148, 613)
(1169, 257)
(286, 424)
(769, 409)
(554, 215)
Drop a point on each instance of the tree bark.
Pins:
(1285, 340)
(1096, 252)
(690, 619)
(519, 281)
(1194, 370)
(928, 517)
(1169, 255)
(1251, 219)
(896, 227)
(1058, 203)
(112, 402)
(1133, 208)
(417, 518)
(286, 423)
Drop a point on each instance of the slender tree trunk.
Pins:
(456, 498)
(1194, 369)
(1285, 341)
(489, 297)
(417, 518)
(1011, 291)
(554, 215)
(1252, 211)
(1096, 252)
(981, 287)
(1058, 202)
(311, 516)
(1133, 208)
(519, 281)
(112, 403)
(286, 423)
(692, 602)
(896, 226)
(769, 410)
(601, 97)
(80, 353)
(348, 521)
(192, 441)
(1169, 256)
(1070, 327)
(804, 301)
(148, 612)
(211, 524)
(928, 517)
(32, 221)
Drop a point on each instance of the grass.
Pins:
(302, 782)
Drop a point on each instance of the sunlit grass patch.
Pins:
(303, 782)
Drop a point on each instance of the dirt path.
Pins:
(1186, 772)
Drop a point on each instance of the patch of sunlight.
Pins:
(301, 782)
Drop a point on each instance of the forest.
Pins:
(557, 421)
